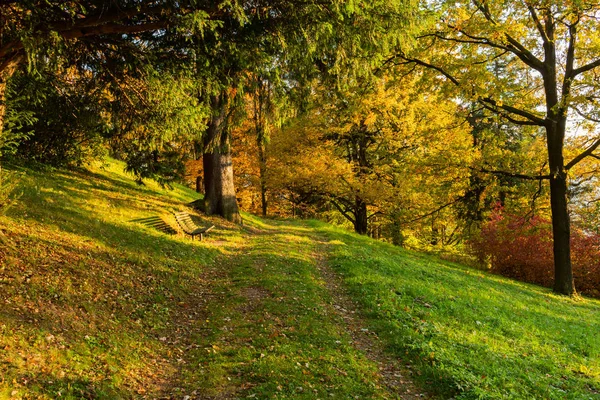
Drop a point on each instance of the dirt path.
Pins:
(394, 374)
(188, 334)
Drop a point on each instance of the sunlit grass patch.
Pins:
(474, 335)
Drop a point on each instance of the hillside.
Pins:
(95, 305)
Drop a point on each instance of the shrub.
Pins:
(521, 249)
(64, 119)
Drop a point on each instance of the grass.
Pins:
(97, 306)
(94, 305)
(473, 335)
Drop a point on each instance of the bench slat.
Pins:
(189, 226)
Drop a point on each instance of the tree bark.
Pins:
(563, 271)
(219, 189)
(360, 216)
(262, 168)
(556, 123)
(561, 230)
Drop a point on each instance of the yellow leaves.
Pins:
(370, 119)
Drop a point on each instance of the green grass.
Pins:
(473, 335)
(93, 305)
(97, 306)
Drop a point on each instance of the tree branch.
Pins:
(568, 80)
(587, 152)
(518, 49)
(585, 68)
(534, 119)
(344, 212)
(512, 174)
(113, 28)
(375, 214)
(538, 23)
(435, 211)
(431, 66)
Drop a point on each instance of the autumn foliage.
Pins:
(521, 248)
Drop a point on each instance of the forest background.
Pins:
(463, 128)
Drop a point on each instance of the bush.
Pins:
(521, 249)
(55, 120)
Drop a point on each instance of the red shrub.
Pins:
(522, 249)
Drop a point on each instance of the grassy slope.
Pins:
(93, 305)
(473, 333)
(96, 306)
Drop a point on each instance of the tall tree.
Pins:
(58, 31)
(375, 152)
(219, 189)
(533, 63)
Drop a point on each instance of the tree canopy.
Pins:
(414, 122)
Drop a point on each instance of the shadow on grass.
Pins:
(81, 288)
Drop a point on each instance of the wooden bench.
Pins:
(189, 227)
(157, 223)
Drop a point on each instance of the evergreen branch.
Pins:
(113, 28)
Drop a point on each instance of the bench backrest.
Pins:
(185, 221)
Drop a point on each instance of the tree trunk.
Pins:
(8, 68)
(261, 98)
(360, 216)
(219, 189)
(262, 167)
(563, 272)
(561, 230)
(556, 115)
